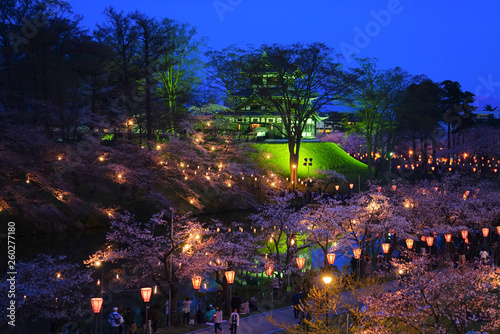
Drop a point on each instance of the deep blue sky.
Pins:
(446, 40)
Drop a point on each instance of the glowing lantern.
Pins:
(196, 280)
(486, 231)
(96, 304)
(498, 229)
(422, 238)
(430, 241)
(230, 276)
(269, 270)
(331, 258)
(379, 189)
(337, 187)
(357, 253)
(409, 243)
(393, 187)
(351, 185)
(385, 247)
(464, 234)
(447, 237)
(301, 261)
(146, 294)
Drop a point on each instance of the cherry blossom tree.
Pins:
(49, 288)
(445, 300)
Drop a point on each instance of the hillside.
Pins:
(326, 156)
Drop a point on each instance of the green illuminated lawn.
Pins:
(325, 156)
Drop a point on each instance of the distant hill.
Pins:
(326, 156)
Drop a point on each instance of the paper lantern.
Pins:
(486, 231)
(409, 243)
(357, 253)
(464, 234)
(385, 247)
(269, 270)
(196, 280)
(301, 261)
(447, 237)
(146, 294)
(430, 241)
(351, 185)
(394, 187)
(230, 276)
(330, 258)
(96, 304)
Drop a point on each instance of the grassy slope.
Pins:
(325, 156)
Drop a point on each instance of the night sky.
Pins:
(446, 40)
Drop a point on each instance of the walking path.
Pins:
(259, 323)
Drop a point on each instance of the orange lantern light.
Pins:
(498, 229)
(409, 243)
(430, 241)
(351, 185)
(385, 247)
(422, 238)
(331, 258)
(394, 187)
(337, 187)
(269, 270)
(486, 231)
(301, 261)
(230, 276)
(96, 304)
(464, 233)
(357, 253)
(379, 189)
(196, 280)
(146, 294)
(447, 237)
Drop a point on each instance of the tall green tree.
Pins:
(306, 77)
(375, 96)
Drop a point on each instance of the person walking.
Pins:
(115, 320)
(186, 310)
(234, 321)
(217, 320)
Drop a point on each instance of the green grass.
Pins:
(325, 156)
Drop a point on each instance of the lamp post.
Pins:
(308, 164)
(96, 308)
(230, 280)
(101, 283)
(196, 280)
(385, 248)
(146, 296)
(327, 279)
(430, 242)
(269, 273)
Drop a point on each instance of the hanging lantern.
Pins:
(486, 231)
(422, 238)
(331, 258)
(351, 185)
(464, 234)
(409, 243)
(96, 304)
(357, 253)
(196, 280)
(269, 270)
(498, 229)
(337, 187)
(447, 237)
(301, 261)
(394, 187)
(385, 247)
(430, 241)
(230, 276)
(146, 294)
(379, 189)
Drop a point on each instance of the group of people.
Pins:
(125, 324)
